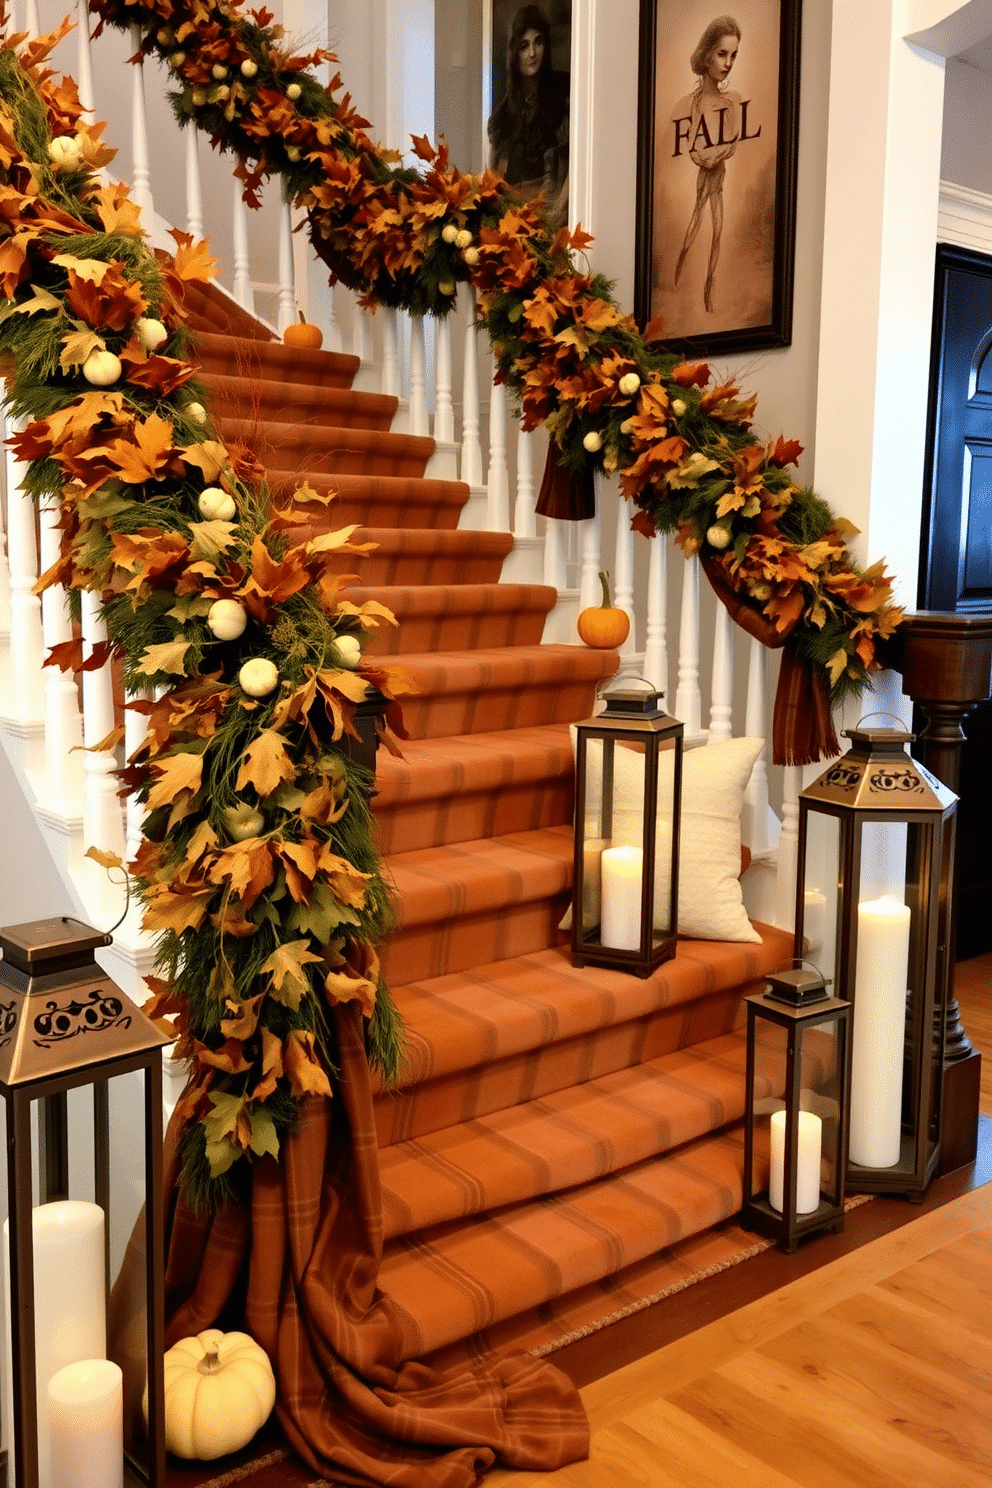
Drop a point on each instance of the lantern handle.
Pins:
(879, 713)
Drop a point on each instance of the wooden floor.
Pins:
(875, 1370)
(871, 1371)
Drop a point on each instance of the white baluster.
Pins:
(103, 820)
(471, 464)
(64, 772)
(84, 61)
(390, 354)
(656, 636)
(4, 560)
(785, 877)
(194, 188)
(722, 682)
(524, 515)
(141, 186)
(135, 732)
(623, 580)
(419, 420)
(243, 292)
(590, 588)
(444, 413)
(361, 333)
(759, 825)
(555, 566)
(26, 645)
(498, 479)
(286, 312)
(688, 704)
(332, 339)
(32, 24)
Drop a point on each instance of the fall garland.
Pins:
(257, 869)
(609, 395)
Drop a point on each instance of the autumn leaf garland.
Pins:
(609, 395)
(257, 869)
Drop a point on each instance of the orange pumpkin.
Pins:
(301, 334)
(603, 626)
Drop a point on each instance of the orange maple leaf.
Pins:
(193, 262)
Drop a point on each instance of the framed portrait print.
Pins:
(526, 98)
(718, 122)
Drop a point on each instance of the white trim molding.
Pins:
(964, 217)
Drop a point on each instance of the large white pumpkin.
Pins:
(219, 1390)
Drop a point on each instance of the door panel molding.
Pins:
(964, 217)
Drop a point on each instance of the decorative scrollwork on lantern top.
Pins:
(842, 777)
(8, 1022)
(98, 1013)
(906, 782)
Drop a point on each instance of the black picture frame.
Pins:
(689, 159)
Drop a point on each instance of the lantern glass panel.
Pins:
(821, 893)
(770, 1063)
(614, 823)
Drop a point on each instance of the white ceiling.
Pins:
(979, 56)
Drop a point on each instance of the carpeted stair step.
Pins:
(469, 692)
(474, 785)
(280, 401)
(401, 502)
(457, 617)
(478, 1041)
(326, 448)
(452, 1281)
(208, 308)
(246, 357)
(415, 555)
(474, 902)
(568, 1136)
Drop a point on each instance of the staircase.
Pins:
(555, 1134)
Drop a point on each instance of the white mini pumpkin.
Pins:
(219, 1391)
(151, 332)
(102, 368)
(243, 821)
(349, 650)
(258, 677)
(226, 619)
(196, 412)
(249, 68)
(65, 152)
(216, 505)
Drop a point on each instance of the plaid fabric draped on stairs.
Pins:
(553, 1130)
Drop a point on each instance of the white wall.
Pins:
(965, 155)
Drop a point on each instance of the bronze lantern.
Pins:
(63, 1025)
(875, 876)
(628, 792)
(795, 1109)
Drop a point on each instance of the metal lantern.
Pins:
(875, 873)
(796, 1109)
(63, 1025)
(628, 792)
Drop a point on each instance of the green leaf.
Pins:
(321, 917)
(210, 539)
(263, 1139)
(218, 1128)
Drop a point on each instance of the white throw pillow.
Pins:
(714, 779)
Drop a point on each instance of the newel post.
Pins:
(946, 665)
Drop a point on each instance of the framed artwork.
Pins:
(526, 91)
(718, 122)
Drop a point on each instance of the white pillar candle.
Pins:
(814, 919)
(592, 867)
(86, 1424)
(809, 1137)
(879, 1032)
(620, 880)
(69, 1307)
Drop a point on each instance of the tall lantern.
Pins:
(875, 867)
(63, 1025)
(628, 794)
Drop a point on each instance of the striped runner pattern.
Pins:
(556, 1136)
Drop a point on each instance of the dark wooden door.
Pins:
(956, 541)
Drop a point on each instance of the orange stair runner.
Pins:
(552, 1129)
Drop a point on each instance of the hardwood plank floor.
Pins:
(875, 1369)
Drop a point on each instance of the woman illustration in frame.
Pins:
(713, 118)
(528, 130)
